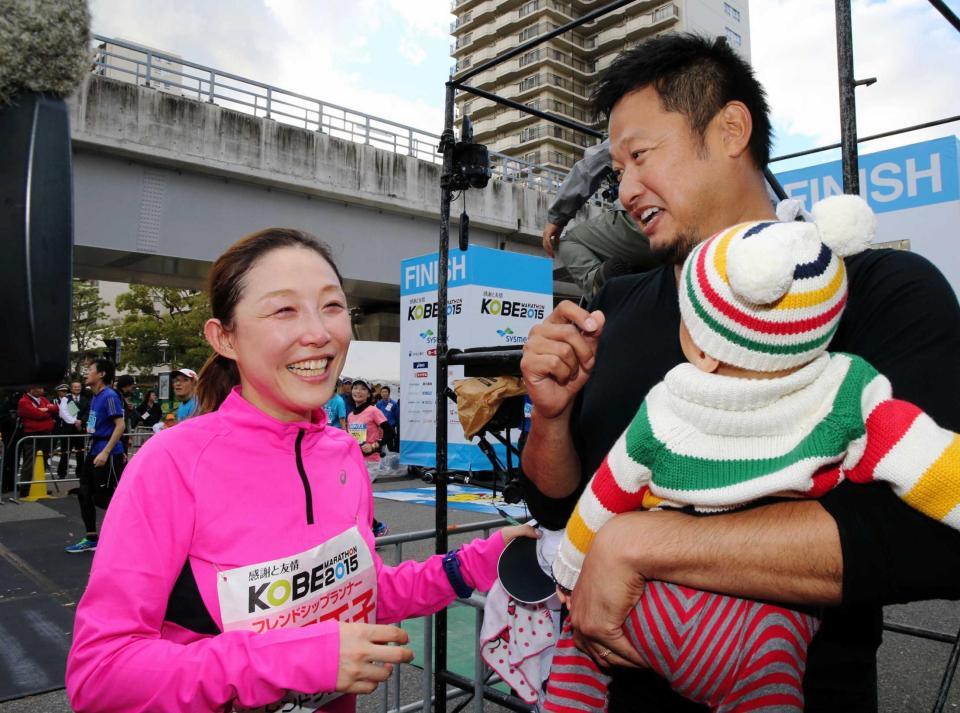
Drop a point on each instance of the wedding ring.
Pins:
(603, 654)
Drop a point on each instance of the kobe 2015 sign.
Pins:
(494, 297)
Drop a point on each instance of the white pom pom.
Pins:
(846, 223)
(760, 268)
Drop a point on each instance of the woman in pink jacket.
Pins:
(236, 568)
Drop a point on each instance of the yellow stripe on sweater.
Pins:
(578, 533)
(937, 492)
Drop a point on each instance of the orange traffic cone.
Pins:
(38, 487)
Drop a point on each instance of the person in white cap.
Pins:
(185, 387)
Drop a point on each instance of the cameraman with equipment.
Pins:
(607, 246)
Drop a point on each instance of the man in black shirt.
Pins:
(689, 136)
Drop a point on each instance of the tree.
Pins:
(89, 319)
(160, 324)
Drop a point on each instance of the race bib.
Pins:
(92, 422)
(335, 580)
(359, 432)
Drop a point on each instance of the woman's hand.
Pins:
(366, 660)
(515, 531)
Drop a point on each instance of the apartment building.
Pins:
(557, 76)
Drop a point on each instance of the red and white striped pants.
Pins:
(732, 655)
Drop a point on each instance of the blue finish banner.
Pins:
(477, 266)
(906, 177)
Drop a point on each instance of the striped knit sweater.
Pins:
(717, 442)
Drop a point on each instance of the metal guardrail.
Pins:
(135, 438)
(129, 62)
(391, 689)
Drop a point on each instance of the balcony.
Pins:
(613, 38)
(537, 81)
(544, 131)
(535, 5)
(460, 22)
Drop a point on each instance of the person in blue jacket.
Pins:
(391, 410)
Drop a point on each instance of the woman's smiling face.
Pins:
(290, 333)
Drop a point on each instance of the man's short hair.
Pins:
(386, 388)
(105, 367)
(694, 76)
(124, 380)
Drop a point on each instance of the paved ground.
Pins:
(39, 585)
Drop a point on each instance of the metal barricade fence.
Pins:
(46, 443)
(391, 689)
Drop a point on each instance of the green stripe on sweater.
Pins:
(829, 438)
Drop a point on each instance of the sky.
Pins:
(390, 58)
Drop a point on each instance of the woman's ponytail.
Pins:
(217, 377)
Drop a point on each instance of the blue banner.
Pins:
(906, 177)
(477, 266)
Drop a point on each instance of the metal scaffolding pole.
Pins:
(440, 630)
(848, 101)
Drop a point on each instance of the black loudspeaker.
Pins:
(36, 235)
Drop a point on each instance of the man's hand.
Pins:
(366, 660)
(558, 357)
(551, 238)
(100, 459)
(608, 588)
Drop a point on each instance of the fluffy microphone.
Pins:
(44, 46)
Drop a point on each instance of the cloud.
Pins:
(907, 45)
(386, 58)
(414, 53)
(432, 17)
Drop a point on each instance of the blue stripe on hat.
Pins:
(815, 268)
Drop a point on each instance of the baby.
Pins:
(760, 409)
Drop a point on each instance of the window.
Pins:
(535, 104)
(733, 38)
(530, 32)
(530, 57)
(559, 159)
(731, 11)
(529, 7)
(530, 82)
(665, 12)
(531, 133)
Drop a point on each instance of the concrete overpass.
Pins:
(163, 183)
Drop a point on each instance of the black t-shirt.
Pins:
(902, 317)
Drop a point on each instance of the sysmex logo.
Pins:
(509, 337)
(511, 308)
(428, 336)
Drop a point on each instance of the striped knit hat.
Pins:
(768, 295)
